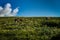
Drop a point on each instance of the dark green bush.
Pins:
(30, 28)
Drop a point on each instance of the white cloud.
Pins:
(7, 10)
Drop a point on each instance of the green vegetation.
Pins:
(30, 28)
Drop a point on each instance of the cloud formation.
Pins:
(7, 10)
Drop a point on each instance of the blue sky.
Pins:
(35, 7)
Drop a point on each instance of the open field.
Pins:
(30, 28)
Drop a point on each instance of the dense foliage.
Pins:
(29, 28)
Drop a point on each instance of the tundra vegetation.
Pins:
(29, 28)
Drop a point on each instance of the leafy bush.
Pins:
(30, 28)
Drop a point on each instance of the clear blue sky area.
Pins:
(35, 7)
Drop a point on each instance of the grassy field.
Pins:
(30, 28)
